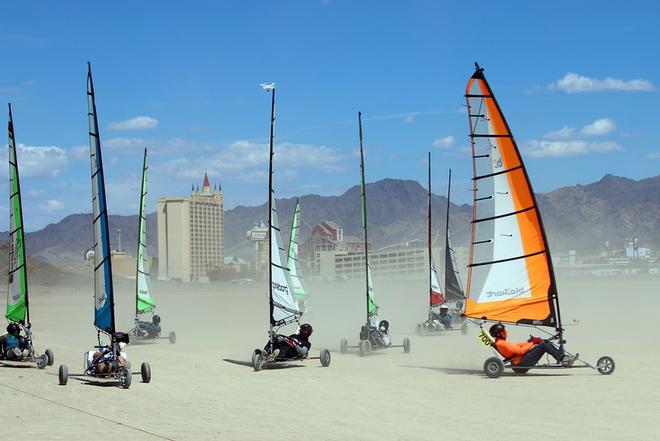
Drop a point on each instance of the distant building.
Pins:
(259, 235)
(191, 234)
(328, 236)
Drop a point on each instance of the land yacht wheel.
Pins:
(605, 365)
(125, 378)
(493, 367)
(145, 371)
(343, 346)
(325, 357)
(63, 375)
(257, 360)
(51, 357)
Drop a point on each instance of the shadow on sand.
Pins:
(479, 372)
(267, 366)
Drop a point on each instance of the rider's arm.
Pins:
(514, 348)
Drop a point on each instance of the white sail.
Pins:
(143, 301)
(436, 295)
(285, 307)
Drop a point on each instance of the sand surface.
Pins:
(203, 386)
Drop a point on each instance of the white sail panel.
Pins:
(285, 307)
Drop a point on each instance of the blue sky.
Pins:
(577, 82)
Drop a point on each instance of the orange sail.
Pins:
(510, 276)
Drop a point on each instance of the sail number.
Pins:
(484, 338)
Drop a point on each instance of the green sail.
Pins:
(144, 301)
(292, 261)
(17, 294)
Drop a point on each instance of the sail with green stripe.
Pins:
(293, 259)
(17, 293)
(143, 300)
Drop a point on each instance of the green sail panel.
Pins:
(373, 306)
(17, 293)
(293, 261)
(144, 301)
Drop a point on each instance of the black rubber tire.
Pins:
(63, 375)
(493, 367)
(42, 361)
(605, 365)
(51, 356)
(520, 371)
(257, 360)
(145, 371)
(363, 347)
(406, 345)
(343, 346)
(464, 328)
(125, 378)
(172, 337)
(325, 357)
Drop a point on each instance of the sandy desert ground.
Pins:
(203, 387)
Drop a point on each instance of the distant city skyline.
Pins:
(575, 81)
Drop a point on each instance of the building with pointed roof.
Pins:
(191, 234)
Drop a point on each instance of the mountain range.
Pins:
(580, 217)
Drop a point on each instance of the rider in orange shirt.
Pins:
(530, 352)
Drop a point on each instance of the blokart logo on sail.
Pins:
(506, 292)
(101, 301)
(277, 287)
(144, 292)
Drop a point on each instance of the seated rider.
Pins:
(293, 346)
(530, 352)
(104, 358)
(149, 329)
(440, 317)
(13, 343)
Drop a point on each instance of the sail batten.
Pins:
(510, 275)
(104, 315)
(18, 305)
(143, 300)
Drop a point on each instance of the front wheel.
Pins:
(325, 357)
(493, 367)
(125, 378)
(51, 357)
(42, 361)
(406, 345)
(343, 346)
(172, 337)
(363, 347)
(63, 375)
(145, 370)
(464, 328)
(605, 365)
(257, 360)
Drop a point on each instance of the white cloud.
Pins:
(137, 123)
(51, 206)
(563, 133)
(79, 152)
(653, 155)
(561, 149)
(39, 162)
(444, 143)
(409, 119)
(600, 127)
(574, 83)
(247, 161)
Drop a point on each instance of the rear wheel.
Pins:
(172, 337)
(363, 347)
(493, 367)
(605, 365)
(325, 357)
(145, 370)
(42, 361)
(464, 328)
(63, 375)
(257, 360)
(125, 378)
(51, 357)
(343, 346)
(406, 345)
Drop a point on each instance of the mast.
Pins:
(428, 240)
(364, 215)
(447, 248)
(17, 257)
(270, 210)
(104, 312)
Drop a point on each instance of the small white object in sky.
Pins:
(268, 87)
